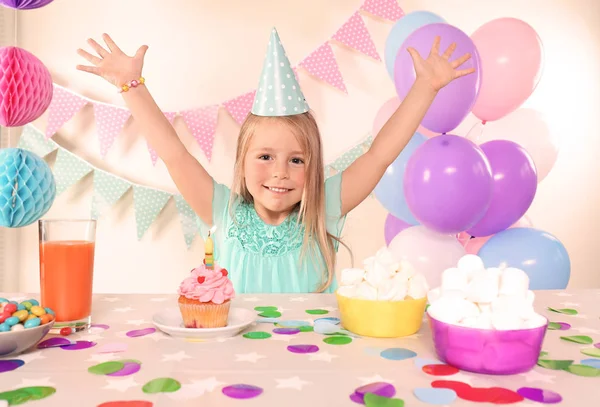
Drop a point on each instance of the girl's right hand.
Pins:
(113, 64)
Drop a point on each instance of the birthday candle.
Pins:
(208, 252)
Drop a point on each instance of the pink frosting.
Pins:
(215, 288)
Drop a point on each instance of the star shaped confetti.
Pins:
(124, 309)
(176, 357)
(291, 383)
(373, 379)
(121, 384)
(249, 357)
(535, 376)
(43, 382)
(111, 299)
(322, 356)
(136, 322)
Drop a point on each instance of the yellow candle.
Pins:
(208, 252)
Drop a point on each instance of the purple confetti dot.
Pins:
(242, 391)
(54, 342)
(103, 326)
(564, 326)
(540, 395)
(286, 331)
(10, 364)
(303, 348)
(79, 345)
(382, 389)
(140, 332)
(597, 345)
(128, 368)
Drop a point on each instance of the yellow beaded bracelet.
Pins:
(133, 84)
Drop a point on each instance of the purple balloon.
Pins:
(453, 102)
(515, 185)
(448, 184)
(24, 4)
(392, 227)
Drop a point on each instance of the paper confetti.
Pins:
(25, 394)
(373, 400)
(440, 370)
(567, 311)
(540, 395)
(10, 364)
(267, 308)
(435, 396)
(382, 389)
(257, 335)
(106, 368)
(337, 340)
(583, 370)
(270, 314)
(140, 332)
(397, 354)
(79, 345)
(161, 385)
(303, 348)
(242, 391)
(286, 331)
(578, 339)
(594, 352)
(317, 311)
(554, 364)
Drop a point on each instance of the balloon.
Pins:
(429, 252)
(514, 186)
(386, 111)
(454, 102)
(24, 4)
(392, 227)
(541, 255)
(511, 57)
(448, 184)
(472, 246)
(529, 128)
(390, 188)
(402, 29)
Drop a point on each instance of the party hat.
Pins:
(279, 93)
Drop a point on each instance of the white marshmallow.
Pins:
(506, 321)
(454, 279)
(366, 291)
(534, 322)
(417, 286)
(351, 276)
(347, 291)
(470, 264)
(392, 292)
(452, 310)
(484, 321)
(514, 282)
(406, 270)
(485, 307)
(483, 287)
(377, 274)
(530, 296)
(434, 295)
(461, 294)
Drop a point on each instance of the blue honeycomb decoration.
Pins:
(27, 187)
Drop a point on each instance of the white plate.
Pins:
(170, 322)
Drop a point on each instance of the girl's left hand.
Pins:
(437, 70)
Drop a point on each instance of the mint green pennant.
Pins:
(188, 220)
(348, 158)
(108, 189)
(68, 169)
(34, 141)
(147, 203)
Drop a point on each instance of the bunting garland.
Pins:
(202, 122)
(148, 202)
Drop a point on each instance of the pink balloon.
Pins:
(472, 246)
(529, 128)
(386, 111)
(511, 63)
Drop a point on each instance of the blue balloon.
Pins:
(401, 30)
(539, 254)
(390, 189)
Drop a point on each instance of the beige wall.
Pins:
(206, 51)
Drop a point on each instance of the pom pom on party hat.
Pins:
(279, 93)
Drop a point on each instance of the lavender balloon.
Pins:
(24, 4)
(448, 184)
(515, 185)
(454, 102)
(392, 227)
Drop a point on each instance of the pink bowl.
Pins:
(487, 351)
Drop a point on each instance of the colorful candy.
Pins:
(15, 316)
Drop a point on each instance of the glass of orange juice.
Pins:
(66, 270)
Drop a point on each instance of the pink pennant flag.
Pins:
(355, 35)
(240, 106)
(203, 123)
(322, 64)
(170, 117)
(63, 107)
(109, 122)
(388, 9)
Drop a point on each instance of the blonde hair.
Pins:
(311, 211)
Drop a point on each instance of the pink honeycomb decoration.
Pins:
(25, 87)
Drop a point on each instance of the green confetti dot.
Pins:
(553, 326)
(542, 354)
(306, 328)
(270, 314)
(257, 335)
(337, 340)
(161, 385)
(567, 311)
(583, 370)
(106, 368)
(317, 311)
(374, 400)
(554, 364)
(267, 308)
(25, 394)
(593, 352)
(578, 339)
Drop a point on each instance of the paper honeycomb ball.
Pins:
(24, 4)
(25, 87)
(27, 187)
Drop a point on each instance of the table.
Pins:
(199, 371)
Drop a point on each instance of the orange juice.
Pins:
(66, 274)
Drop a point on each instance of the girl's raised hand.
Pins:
(113, 64)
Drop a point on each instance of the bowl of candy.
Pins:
(22, 325)
(483, 320)
(386, 299)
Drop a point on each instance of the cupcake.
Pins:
(205, 297)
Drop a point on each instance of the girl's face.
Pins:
(274, 171)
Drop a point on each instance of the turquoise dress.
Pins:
(263, 258)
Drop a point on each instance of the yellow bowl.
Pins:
(381, 319)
